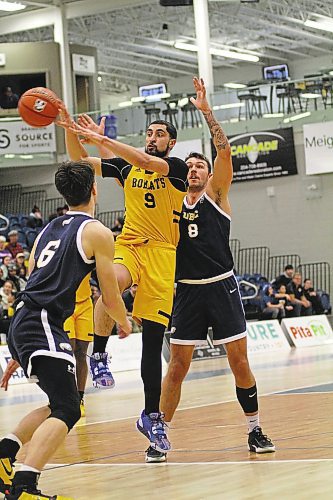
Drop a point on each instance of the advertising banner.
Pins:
(19, 138)
(263, 155)
(18, 377)
(308, 330)
(265, 336)
(318, 146)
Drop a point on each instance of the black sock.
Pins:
(25, 480)
(8, 448)
(81, 394)
(99, 343)
(151, 364)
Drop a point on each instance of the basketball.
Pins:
(39, 106)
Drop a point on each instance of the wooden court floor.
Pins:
(103, 457)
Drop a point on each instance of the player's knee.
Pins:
(67, 410)
(177, 371)
(240, 366)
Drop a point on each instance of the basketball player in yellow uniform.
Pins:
(80, 330)
(145, 255)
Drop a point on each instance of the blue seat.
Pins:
(21, 237)
(30, 237)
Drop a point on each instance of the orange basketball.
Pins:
(39, 106)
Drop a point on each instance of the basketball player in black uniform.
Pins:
(67, 250)
(207, 290)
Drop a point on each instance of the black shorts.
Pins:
(33, 332)
(198, 307)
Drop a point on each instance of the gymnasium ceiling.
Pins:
(135, 38)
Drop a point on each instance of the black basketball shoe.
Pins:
(259, 442)
(6, 474)
(155, 456)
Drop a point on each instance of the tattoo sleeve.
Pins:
(220, 139)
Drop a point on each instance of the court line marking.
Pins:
(276, 393)
(243, 462)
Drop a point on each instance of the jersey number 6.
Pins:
(47, 253)
(150, 200)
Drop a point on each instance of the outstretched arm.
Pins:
(221, 180)
(86, 121)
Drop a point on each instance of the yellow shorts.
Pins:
(152, 267)
(80, 325)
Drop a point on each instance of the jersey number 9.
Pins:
(149, 200)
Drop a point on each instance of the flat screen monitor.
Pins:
(276, 73)
(152, 90)
(18, 85)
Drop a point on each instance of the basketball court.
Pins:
(103, 457)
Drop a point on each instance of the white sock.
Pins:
(12, 437)
(252, 422)
(27, 468)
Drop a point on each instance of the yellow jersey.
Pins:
(84, 291)
(153, 202)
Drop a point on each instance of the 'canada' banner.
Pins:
(263, 155)
(20, 138)
(308, 330)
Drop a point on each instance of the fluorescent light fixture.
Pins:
(322, 23)
(309, 95)
(99, 78)
(331, 73)
(215, 108)
(157, 97)
(26, 157)
(232, 85)
(232, 54)
(183, 101)
(234, 120)
(232, 105)
(297, 117)
(11, 6)
(9, 156)
(125, 104)
(138, 98)
(272, 115)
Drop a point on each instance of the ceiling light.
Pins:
(232, 85)
(26, 157)
(273, 115)
(232, 54)
(321, 23)
(234, 120)
(11, 6)
(183, 101)
(297, 117)
(138, 99)
(99, 78)
(9, 156)
(125, 104)
(232, 105)
(309, 95)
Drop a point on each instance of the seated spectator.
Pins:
(2, 280)
(13, 246)
(311, 295)
(6, 261)
(128, 298)
(118, 226)
(285, 298)
(8, 100)
(285, 278)
(4, 323)
(3, 249)
(59, 212)
(95, 292)
(302, 306)
(23, 277)
(273, 307)
(8, 298)
(13, 277)
(35, 218)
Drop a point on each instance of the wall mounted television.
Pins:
(276, 73)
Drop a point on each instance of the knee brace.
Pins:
(67, 410)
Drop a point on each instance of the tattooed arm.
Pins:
(219, 183)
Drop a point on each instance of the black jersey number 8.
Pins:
(150, 200)
(47, 253)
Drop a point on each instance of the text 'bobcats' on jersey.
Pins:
(152, 201)
(203, 251)
(60, 266)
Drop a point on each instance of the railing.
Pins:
(108, 218)
(234, 247)
(253, 260)
(319, 273)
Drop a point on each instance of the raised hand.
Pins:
(65, 120)
(200, 101)
(86, 121)
(12, 366)
(89, 135)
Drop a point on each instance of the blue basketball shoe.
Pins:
(153, 427)
(100, 371)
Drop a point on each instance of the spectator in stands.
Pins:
(20, 261)
(3, 249)
(4, 323)
(118, 226)
(13, 277)
(8, 100)
(273, 307)
(6, 261)
(285, 278)
(14, 246)
(302, 306)
(35, 218)
(311, 295)
(285, 298)
(8, 297)
(128, 298)
(2, 280)
(95, 292)
(59, 212)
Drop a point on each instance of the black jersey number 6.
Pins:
(149, 200)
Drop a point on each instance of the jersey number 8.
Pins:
(193, 230)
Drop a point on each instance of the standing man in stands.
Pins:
(207, 290)
(63, 254)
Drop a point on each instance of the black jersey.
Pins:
(203, 251)
(60, 266)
